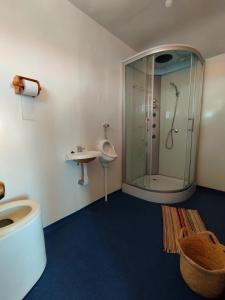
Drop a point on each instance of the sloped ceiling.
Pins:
(145, 23)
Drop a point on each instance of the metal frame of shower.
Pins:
(152, 51)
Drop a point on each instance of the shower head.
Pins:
(176, 88)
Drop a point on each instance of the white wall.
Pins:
(211, 159)
(78, 65)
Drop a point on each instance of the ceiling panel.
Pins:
(145, 23)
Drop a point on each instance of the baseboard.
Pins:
(58, 223)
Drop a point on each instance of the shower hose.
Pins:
(169, 138)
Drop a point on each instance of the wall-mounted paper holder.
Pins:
(19, 86)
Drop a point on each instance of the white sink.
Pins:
(83, 157)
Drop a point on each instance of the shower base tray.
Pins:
(159, 189)
(159, 183)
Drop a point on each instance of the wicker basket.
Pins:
(202, 262)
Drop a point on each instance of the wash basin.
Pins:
(83, 157)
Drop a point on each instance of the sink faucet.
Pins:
(80, 148)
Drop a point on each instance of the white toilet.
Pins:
(22, 248)
(108, 153)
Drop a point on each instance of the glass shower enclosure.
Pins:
(161, 116)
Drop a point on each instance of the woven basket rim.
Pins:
(194, 264)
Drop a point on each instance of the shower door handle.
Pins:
(147, 119)
(192, 124)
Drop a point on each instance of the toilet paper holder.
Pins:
(18, 85)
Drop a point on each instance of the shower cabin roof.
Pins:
(180, 60)
(165, 62)
(164, 49)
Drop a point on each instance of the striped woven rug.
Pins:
(173, 220)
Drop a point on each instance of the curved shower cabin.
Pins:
(161, 116)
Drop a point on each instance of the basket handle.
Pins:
(185, 232)
(212, 236)
(214, 239)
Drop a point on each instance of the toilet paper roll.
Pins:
(30, 88)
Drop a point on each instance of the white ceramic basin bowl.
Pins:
(83, 157)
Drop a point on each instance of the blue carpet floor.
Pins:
(113, 251)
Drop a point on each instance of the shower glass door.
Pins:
(138, 91)
(171, 138)
(194, 112)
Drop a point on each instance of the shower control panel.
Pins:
(155, 117)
